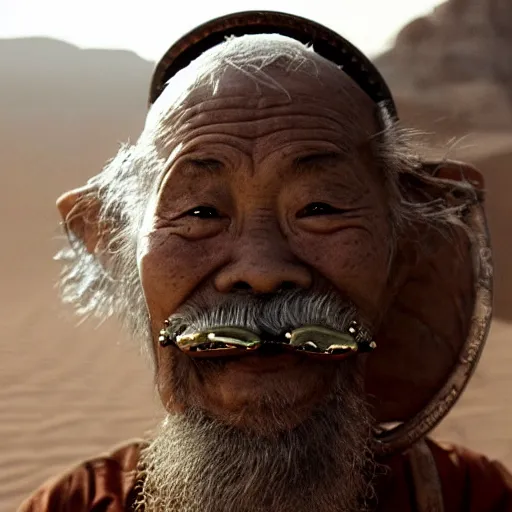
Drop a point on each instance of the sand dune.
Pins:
(64, 393)
(64, 112)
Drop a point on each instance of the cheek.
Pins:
(355, 260)
(171, 267)
(174, 379)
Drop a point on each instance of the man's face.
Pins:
(266, 189)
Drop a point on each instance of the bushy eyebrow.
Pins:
(311, 161)
(314, 160)
(208, 164)
(196, 167)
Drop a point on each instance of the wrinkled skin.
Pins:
(264, 190)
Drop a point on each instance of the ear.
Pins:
(422, 187)
(455, 171)
(80, 209)
(437, 293)
(436, 180)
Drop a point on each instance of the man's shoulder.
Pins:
(105, 483)
(431, 472)
(470, 480)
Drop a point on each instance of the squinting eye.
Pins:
(314, 209)
(203, 212)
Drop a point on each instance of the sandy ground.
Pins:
(66, 393)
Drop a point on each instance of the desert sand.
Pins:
(71, 389)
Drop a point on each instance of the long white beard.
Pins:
(197, 464)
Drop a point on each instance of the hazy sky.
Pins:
(148, 27)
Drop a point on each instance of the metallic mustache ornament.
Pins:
(312, 340)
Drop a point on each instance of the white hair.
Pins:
(198, 464)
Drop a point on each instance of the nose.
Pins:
(263, 264)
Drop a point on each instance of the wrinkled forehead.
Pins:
(252, 73)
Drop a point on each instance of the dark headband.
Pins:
(325, 42)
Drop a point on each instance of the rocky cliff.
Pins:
(451, 74)
(459, 58)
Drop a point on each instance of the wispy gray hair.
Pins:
(273, 315)
(127, 183)
(198, 464)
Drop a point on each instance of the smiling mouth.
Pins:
(313, 340)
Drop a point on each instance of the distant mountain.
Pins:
(64, 112)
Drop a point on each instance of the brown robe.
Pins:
(469, 483)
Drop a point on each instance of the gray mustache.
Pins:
(272, 314)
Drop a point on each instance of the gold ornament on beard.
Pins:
(311, 340)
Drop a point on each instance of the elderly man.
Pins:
(313, 296)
